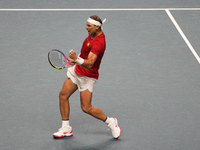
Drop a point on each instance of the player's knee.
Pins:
(62, 96)
(86, 109)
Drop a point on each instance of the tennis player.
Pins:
(82, 76)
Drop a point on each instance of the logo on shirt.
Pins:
(88, 44)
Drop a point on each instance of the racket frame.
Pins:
(62, 54)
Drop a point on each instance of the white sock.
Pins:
(65, 123)
(108, 120)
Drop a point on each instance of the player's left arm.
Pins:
(86, 63)
(89, 62)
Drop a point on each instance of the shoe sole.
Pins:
(64, 135)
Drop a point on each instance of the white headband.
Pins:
(94, 22)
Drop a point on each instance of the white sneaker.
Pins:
(115, 129)
(63, 131)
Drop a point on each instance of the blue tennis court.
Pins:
(149, 76)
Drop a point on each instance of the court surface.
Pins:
(149, 76)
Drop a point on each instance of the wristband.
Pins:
(79, 60)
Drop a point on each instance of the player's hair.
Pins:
(97, 19)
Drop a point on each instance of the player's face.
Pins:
(92, 29)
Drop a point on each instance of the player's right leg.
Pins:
(67, 90)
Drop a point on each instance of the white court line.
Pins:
(115, 9)
(183, 35)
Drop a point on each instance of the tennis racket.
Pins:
(58, 59)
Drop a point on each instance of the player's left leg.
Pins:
(86, 99)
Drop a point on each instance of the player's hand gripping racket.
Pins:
(58, 59)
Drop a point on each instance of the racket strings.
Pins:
(57, 59)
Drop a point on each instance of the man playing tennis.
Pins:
(82, 76)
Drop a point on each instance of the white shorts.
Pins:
(82, 82)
